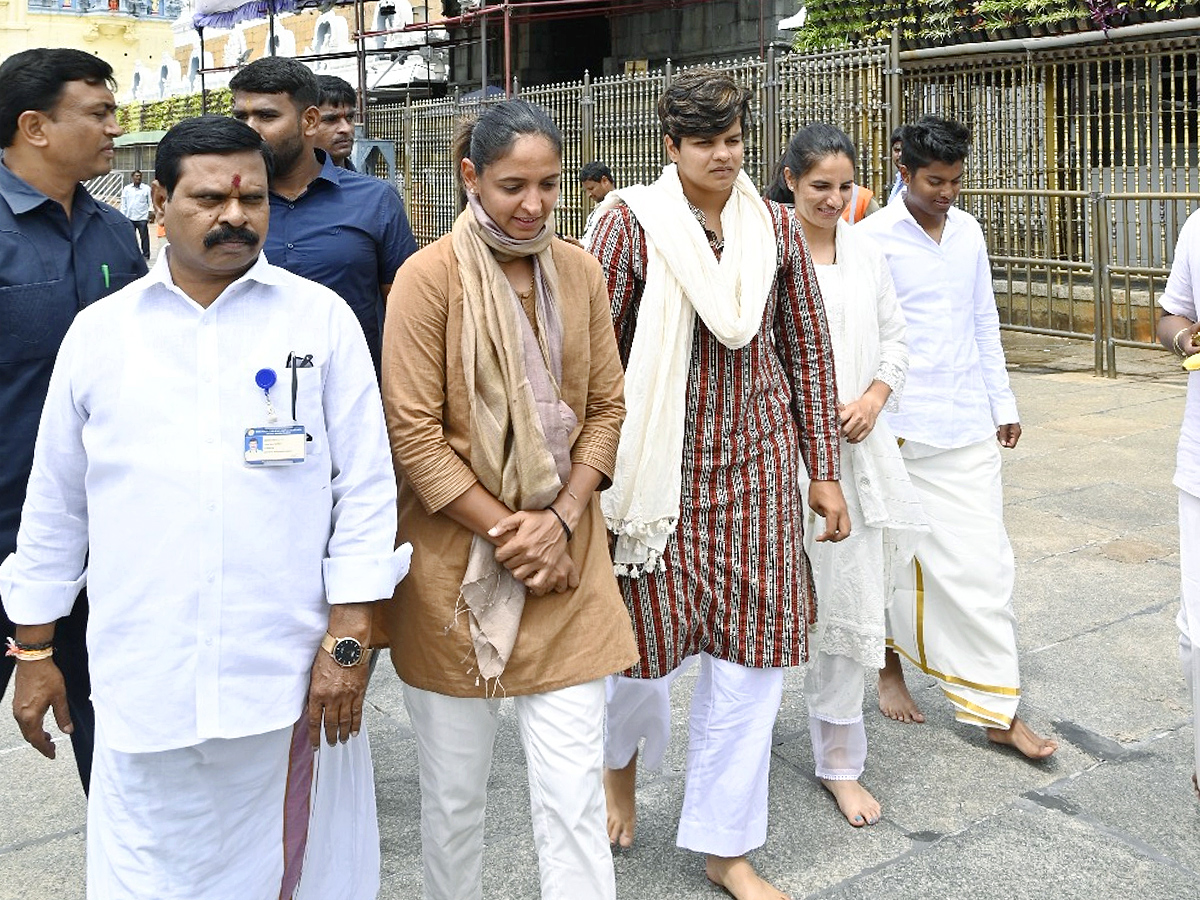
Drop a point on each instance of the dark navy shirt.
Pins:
(348, 232)
(50, 268)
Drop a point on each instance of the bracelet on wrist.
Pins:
(561, 521)
(28, 652)
(1175, 340)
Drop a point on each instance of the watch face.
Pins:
(347, 652)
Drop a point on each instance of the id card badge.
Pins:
(275, 445)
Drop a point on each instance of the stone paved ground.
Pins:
(1091, 512)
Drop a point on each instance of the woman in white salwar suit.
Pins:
(852, 577)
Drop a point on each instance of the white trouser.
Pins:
(202, 822)
(729, 748)
(833, 688)
(1189, 607)
(562, 736)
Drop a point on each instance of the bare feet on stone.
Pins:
(619, 798)
(737, 876)
(895, 701)
(855, 802)
(1024, 739)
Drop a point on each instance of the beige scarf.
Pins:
(683, 279)
(520, 427)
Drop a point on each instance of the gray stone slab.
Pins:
(49, 867)
(1121, 681)
(1024, 852)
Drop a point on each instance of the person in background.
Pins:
(338, 105)
(1179, 331)
(731, 396)
(341, 229)
(952, 613)
(60, 251)
(231, 592)
(896, 144)
(597, 181)
(502, 390)
(852, 577)
(135, 206)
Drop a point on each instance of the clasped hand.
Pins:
(533, 546)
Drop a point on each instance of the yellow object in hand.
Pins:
(1192, 363)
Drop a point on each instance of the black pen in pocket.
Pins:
(296, 361)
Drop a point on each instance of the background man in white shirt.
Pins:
(230, 599)
(135, 206)
(1179, 330)
(952, 614)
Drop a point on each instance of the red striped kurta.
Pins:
(737, 584)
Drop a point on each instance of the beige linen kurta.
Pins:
(565, 639)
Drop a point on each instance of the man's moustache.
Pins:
(230, 236)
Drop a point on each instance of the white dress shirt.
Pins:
(135, 202)
(1179, 299)
(957, 391)
(209, 579)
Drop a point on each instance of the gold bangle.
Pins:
(1175, 340)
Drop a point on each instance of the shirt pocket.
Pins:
(310, 407)
(33, 320)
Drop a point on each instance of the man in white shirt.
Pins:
(1179, 330)
(231, 591)
(897, 144)
(952, 613)
(135, 206)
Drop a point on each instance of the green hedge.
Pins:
(835, 23)
(162, 114)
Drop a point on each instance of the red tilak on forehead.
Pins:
(237, 181)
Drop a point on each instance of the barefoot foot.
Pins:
(854, 800)
(1024, 739)
(895, 701)
(737, 876)
(619, 798)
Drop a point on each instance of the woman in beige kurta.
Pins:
(503, 393)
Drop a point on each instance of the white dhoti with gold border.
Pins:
(1189, 606)
(952, 613)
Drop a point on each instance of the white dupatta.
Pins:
(683, 279)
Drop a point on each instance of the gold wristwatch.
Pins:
(347, 652)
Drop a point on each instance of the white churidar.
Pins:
(729, 748)
(210, 580)
(683, 279)
(561, 734)
(958, 391)
(952, 612)
(833, 689)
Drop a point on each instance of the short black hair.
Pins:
(279, 75)
(897, 135)
(596, 171)
(136, 172)
(204, 135)
(702, 102)
(932, 138)
(34, 80)
(336, 91)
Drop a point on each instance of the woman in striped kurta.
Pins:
(732, 584)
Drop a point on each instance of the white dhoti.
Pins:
(562, 735)
(1189, 607)
(226, 818)
(952, 613)
(729, 748)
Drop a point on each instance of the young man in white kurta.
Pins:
(1178, 332)
(953, 618)
(213, 581)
